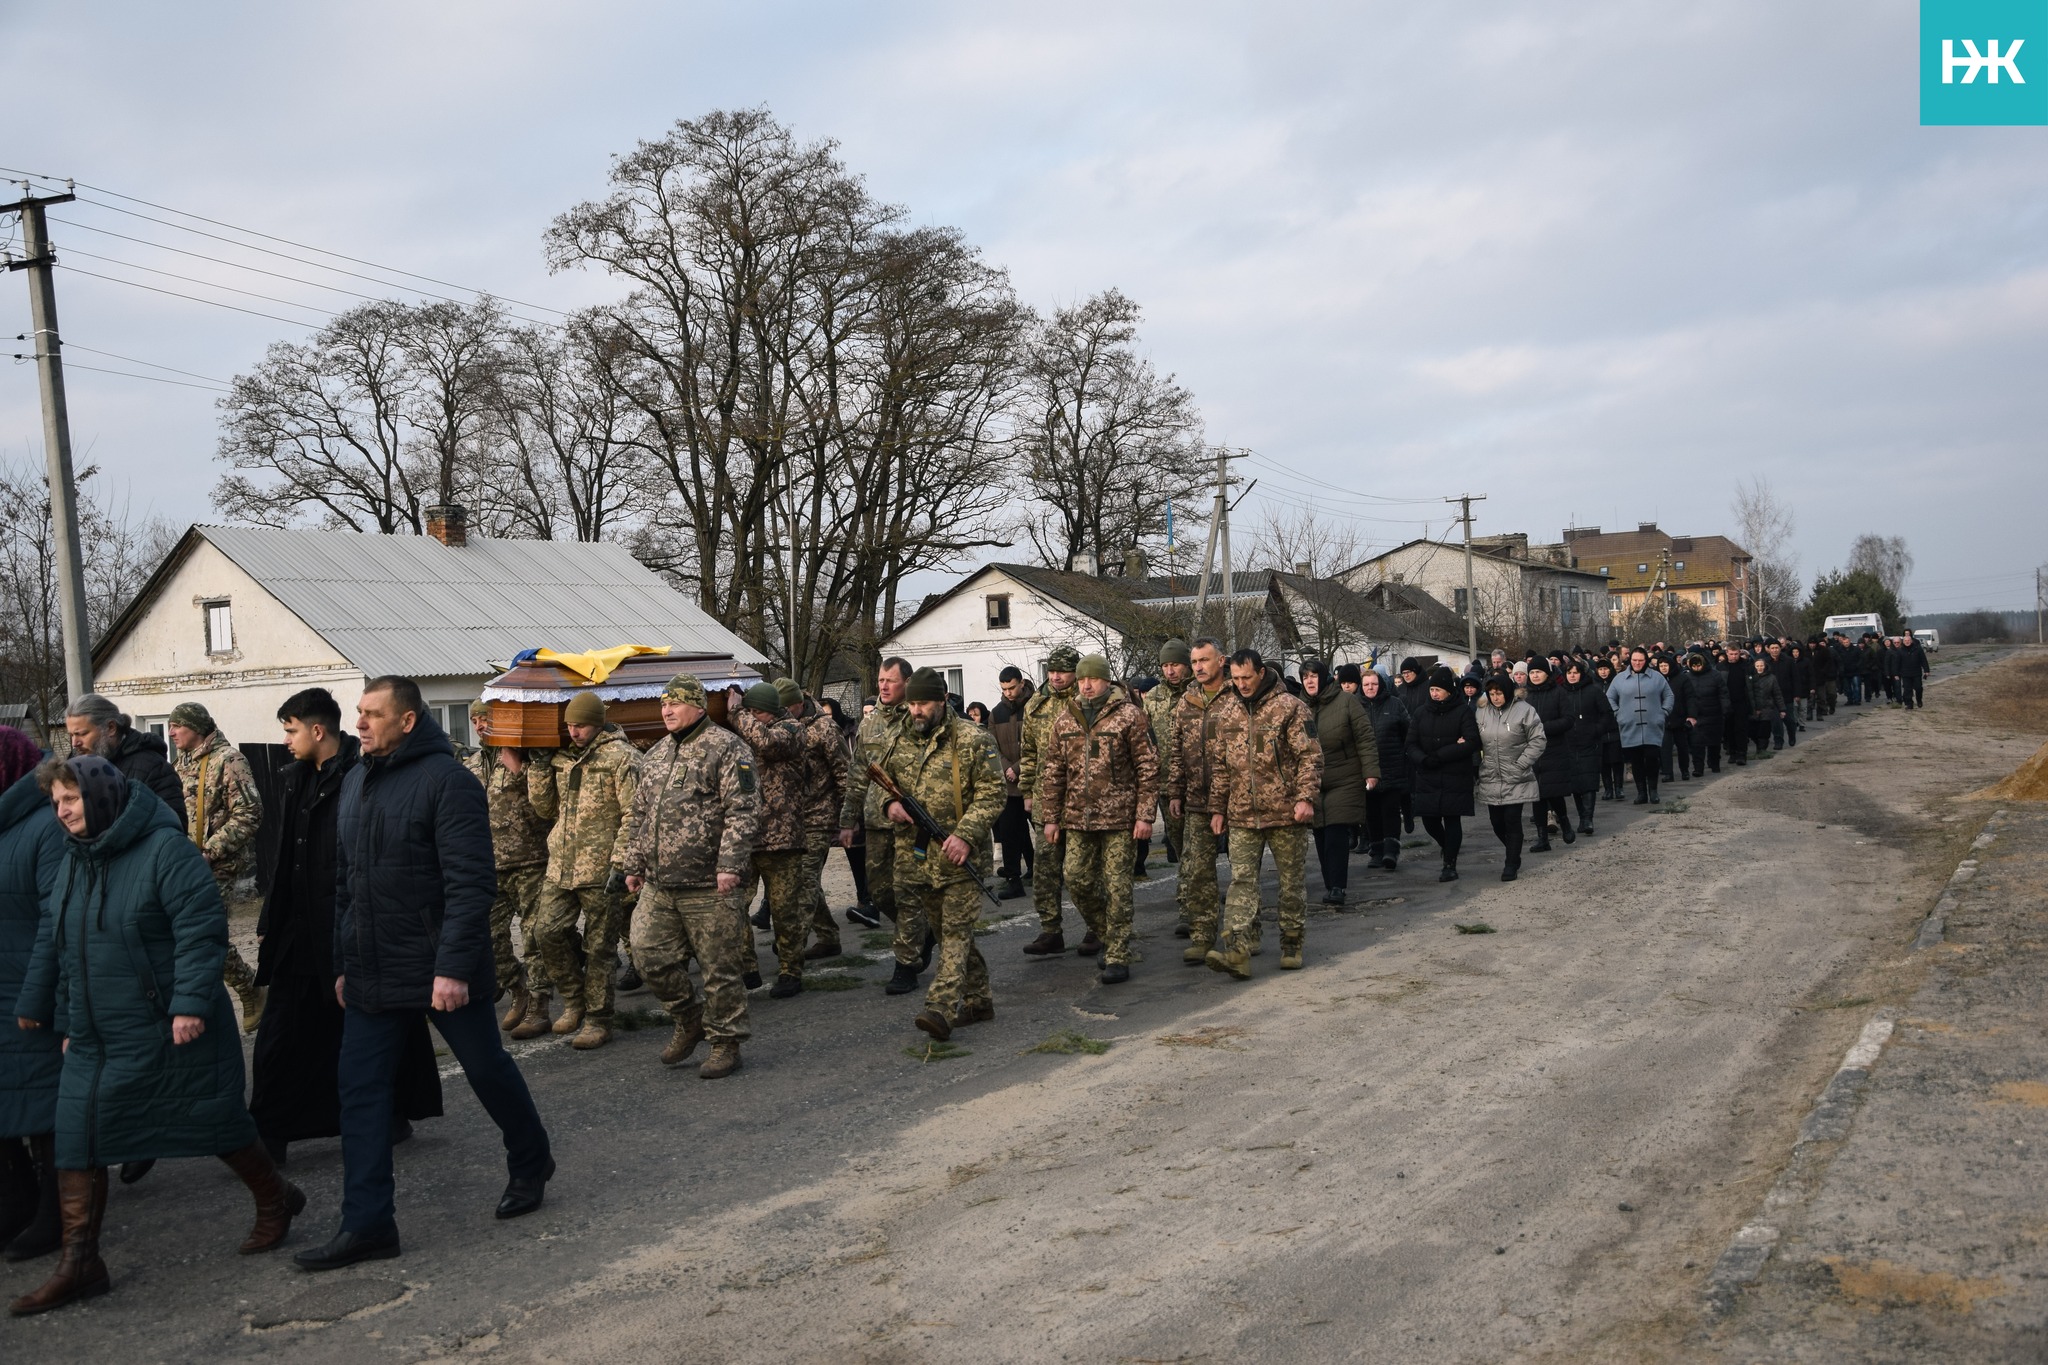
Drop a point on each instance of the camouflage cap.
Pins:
(791, 694)
(687, 689)
(193, 716)
(479, 709)
(1093, 666)
(1063, 659)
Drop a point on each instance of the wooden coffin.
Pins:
(527, 702)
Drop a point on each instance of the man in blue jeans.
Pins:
(412, 933)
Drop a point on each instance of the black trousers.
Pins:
(1333, 854)
(1612, 774)
(1507, 827)
(1706, 755)
(1383, 820)
(1449, 833)
(294, 1067)
(1587, 802)
(857, 864)
(1677, 754)
(1561, 806)
(1642, 761)
(1013, 831)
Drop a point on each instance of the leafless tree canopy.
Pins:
(1885, 558)
(1764, 525)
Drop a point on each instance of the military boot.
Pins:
(903, 981)
(689, 1033)
(1091, 945)
(535, 1021)
(571, 1020)
(1046, 944)
(515, 1008)
(975, 1012)
(1238, 965)
(723, 1061)
(1196, 953)
(252, 1005)
(595, 1033)
(821, 950)
(1290, 954)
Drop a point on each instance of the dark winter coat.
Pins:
(414, 876)
(1586, 741)
(297, 923)
(1610, 738)
(1390, 723)
(31, 850)
(1766, 700)
(1709, 703)
(136, 934)
(1679, 680)
(1553, 706)
(1442, 770)
(1351, 754)
(1913, 664)
(145, 757)
(1735, 676)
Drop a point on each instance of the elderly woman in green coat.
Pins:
(127, 966)
(31, 850)
(1351, 769)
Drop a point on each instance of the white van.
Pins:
(1930, 640)
(1855, 627)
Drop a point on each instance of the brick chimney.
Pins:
(449, 524)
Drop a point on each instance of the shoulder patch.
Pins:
(746, 777)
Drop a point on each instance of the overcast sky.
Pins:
(1598, 261)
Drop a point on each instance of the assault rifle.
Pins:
(929, 830)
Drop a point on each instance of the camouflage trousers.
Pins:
(518, 898)
(1098, 876)
(1048, 879)
(1290, 861)
(672, 926)
(913, 881)
(953, 909)
(780, 873)
(234, 971)
(580, 965)
(816, 846)
(881, 861)
(1200, 902)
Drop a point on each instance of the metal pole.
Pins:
(1209, 551)
(42, 302)
(1465, 501)
(1229, 583)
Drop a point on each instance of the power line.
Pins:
(204, 284)
(154, 379)
(1326, 488)
(194, 298)
(147, 364)
(220, 260)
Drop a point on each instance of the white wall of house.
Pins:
(956, 639)
(1505, 588)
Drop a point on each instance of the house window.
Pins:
(220, 627)
(1680, 566)
(1642, 568)
(954, 680)
(1613, 603)
(1603, 571)
(998, 611)
(453, 717)
(1458, 600)
(159, 726)
(1710, 597)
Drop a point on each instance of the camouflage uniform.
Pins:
(222, 812)
(1048, 874)
(780, 760)
(1098, 777)
(1159, 706)
(875, 742)
(519, 846)
(956, 775)
(1192, 732)
(694, 816)
(1265, 759)
(824, 789)
(587, 792)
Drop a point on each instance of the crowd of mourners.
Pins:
(415, 882)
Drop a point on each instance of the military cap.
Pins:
(685, 688)
(763, 696)
(1093, 666)
(585, 708)
(927, 685)
(1063, 659)
(790, 694)
(479, 709)
(1174, 652)
(193, 716)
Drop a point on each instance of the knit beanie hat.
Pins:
(1093, 666)
(763, 696)
(1174, 652)
(926, 685)
(18, 756)
(789, 692)
(1440, 676)
(585, 708)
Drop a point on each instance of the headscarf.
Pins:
(105, 790)
(18, 756)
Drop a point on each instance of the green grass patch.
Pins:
(983, 928)
(936, 1052)
(1068, 1042)
(1480, 928)
(877, 940)
(846, 960)
(833, 983)
(632, 1021)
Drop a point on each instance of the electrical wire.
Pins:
(194, 298)
(1319, 488)
(146, 364)
(219, 260)
(204, 284)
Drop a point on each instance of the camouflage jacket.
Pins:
(1100, 776)
(955, 774)
(1191, 738)
(879, 730)
(1160, 703)
(1038, 717)
(782, 762)
(222, 806)
(825, 772)
(1264, 758)
(695, 811)
(519, 837)
(587, 792)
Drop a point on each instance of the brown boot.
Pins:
(278, 1201)
(515, 1009)
(974, 1012)
(252, 1006)
(818, 952)
(571, 1020)
(536, 1021)
(80, 1273)
(1046, 944)
(723, 1061)
(689, 1033)
(595, 1033)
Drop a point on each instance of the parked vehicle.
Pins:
(1855, 627)
(1930, 640)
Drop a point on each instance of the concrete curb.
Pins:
(1936, 924)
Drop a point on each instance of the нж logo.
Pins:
(1989, 62)
(1970, 55)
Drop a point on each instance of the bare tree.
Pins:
(1765, 526)
(1107, 440)
(1887, 559)
(1307, 542)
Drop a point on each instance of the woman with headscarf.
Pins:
(1586, 741)
(1511, 743)
(1707, 714)
(1443, 743)
(1351, 769)
(127, 967)
(1553, 707)
(31, 849)
(1612, 761)
(1766, 705)
(1642, 706)
(1675, 761)
(1390, 722)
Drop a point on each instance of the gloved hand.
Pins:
(616, 883)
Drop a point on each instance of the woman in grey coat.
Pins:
(1642, 703)
(1510, 741)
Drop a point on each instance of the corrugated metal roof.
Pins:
(413, 606)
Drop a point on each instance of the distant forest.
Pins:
(2019, 625)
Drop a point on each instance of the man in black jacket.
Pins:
(97, 727)
(294, 1078)
(415, 878)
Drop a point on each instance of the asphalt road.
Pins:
(1428, 1145)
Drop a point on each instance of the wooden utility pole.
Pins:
(1465, 501)
(42, 302)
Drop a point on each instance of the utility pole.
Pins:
(2039, 602)
(1664, 590)
(1217, 512)
(1465, 501)
(42, 302)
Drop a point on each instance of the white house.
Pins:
(1526, 595)
(239, 618)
